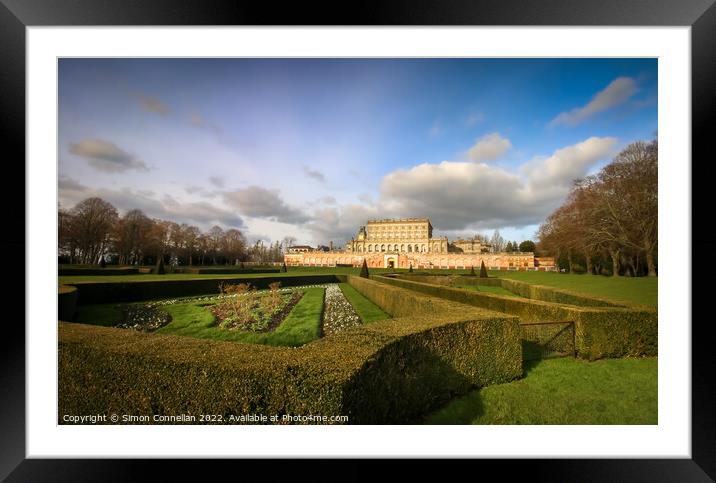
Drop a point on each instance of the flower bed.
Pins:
(338, 313)
(260, 313)
(145, 318)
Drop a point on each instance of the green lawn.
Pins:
(366, 310)
(640, 290)
(302, 325)
(564, 391)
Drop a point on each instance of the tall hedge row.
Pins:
(551, 294)
(66, 302)
(388, 372)
(62, 271)
(133, 291)
(225, 270)
(600, 332)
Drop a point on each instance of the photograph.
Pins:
(357, 240)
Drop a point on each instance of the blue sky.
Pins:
(312, 148)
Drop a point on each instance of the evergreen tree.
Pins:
(483, 269)
(102, 263)
(160, 265)
(364, 270)
(527, 246)
(472, 271)
(283, 268)
(410, 270)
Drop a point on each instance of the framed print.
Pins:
(418, 232)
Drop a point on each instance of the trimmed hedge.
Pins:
(133, 291)
(66, 302)
(600, 332)
(551, 294)
(523, 289)
(227, 270)
(61, 271)
(392, 371)
(398, 302)
(610, 332)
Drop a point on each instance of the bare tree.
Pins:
(93, 221)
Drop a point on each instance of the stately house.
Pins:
(406, 235)
(407, 242)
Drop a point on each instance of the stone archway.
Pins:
(390, 261)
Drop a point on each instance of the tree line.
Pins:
(93, 232)
(609, 222)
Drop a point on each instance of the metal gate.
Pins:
(545, 340)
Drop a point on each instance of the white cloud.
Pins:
(260, 202)
(474, 118)
(468, 195)
(216, 181)
(617, 92)
(152, 104)
(106, 156)
(489, 147)
(315, 174)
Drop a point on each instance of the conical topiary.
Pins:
(483, 270)
(283, 268)
(364, 270)
(472, 271)
(411, 268)
(160, 265)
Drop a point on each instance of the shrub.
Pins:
(66, 302)
(364, 270)
(225, 270)
(62, 271)
(392, 371)
(284, 269)
(483, 269)
(91, 293)
(160, 266)
(577, 268)
(601, 330)
(472, 271)
(102, 263)
(410, 270)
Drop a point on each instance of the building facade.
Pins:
(405, 235)
(471, 245)
(409, 242)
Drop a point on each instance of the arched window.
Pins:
(410, 248)
(423, 248)
(390, 248)
(382, 248)
(402, 248)
(370, 248)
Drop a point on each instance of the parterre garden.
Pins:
(395, 348)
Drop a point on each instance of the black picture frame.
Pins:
(700, 15)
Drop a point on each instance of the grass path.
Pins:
(366, 310)
(640, 290)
